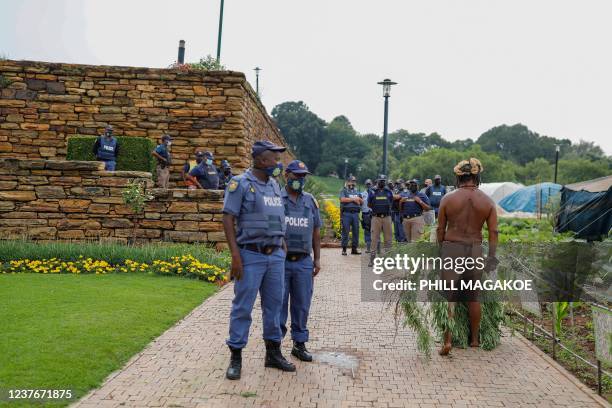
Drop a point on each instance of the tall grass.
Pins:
(109, 252)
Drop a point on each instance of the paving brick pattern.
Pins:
(367, 363)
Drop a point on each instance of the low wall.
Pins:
(42, 104)
(51, 200)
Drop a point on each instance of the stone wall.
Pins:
(42, 104)
(59, 200)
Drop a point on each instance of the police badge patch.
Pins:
(232, 186)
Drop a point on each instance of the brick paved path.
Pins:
(365, 363)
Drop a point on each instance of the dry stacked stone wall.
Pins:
(50, 200)
(42, 104)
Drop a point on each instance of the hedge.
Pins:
(134, 152)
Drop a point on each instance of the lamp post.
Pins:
(345, 166)
(220, 32)
(257, 70)
(557, 149)
(386, 84)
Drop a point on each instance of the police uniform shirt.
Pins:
(411, 207)
(207, 175)
(350, 193)
(372, 196)
(162, 150)
(298, 206)
(241, 198)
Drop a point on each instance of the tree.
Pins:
(576, 170)
(303, 130)
(519, 144)
(585, 150)
(442, 161)
(537, 171)
(341, 142)
(404, 144)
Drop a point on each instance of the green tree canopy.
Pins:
(303, 130)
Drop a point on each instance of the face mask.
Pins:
(381, 184)
(297, 185)
(368, 186)
(437, 182)
(227, 171)
(414, 188)
(351, 186)
(169, 143)
(208, 161)
(275, 170)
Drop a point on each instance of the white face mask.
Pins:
(169, 143)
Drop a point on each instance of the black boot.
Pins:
(354, 251)
(344, 251)
(372, 256)
(299, 351)
(233, 371)
(274, 357)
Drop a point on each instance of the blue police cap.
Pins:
(262, 145)
(225, 164)
(297, 167)
(208, 154)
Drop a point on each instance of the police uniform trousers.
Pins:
(396, 218)
(350, 222)
(264, 274)
(297, 297)
(381, 224)
(163, 176)
(366, 224)
(110, 165)
(414, 228)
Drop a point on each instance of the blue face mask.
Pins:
(208, 161)
(297, 185)
(275, 170)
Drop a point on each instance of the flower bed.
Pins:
(185, 265)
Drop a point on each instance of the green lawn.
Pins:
(70, 331)
(331, 185)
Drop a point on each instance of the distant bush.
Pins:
(134, 154)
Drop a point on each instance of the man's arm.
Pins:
(441, 222)
(423, 203)
(117, 148)
(493, 233)
(230, 235)
(316, 248)
(194, 180)
(159, 156)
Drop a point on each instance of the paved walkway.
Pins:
(362, 362)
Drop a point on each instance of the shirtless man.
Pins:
(461, 217)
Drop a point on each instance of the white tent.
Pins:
(497, 191)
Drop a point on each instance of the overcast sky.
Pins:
(463, 66)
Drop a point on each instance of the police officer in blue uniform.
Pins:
(303, 236)
(190, 165)
(380, 202)
(350, 205)
(254, 224)
(366, 215)
(435, 192)
(412, 205)
(106, 149)
(397, 188)
(225, 174)
(206, 174)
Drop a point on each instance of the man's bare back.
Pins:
(463, 213)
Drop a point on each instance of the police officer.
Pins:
(397, 188)
(366, 215)
(380, 201)
(435, 193)
(206, 174)
(164, 159)
(303, 235)
(254, 224)
(350, 205)
(225, 174)
(190, 165)
(412, 205)
(106, 149)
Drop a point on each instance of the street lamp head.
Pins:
(557, 148)
(346, 160)
(257, 69)
(386, 84)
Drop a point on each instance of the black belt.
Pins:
(262, 249)
(350, 211)
(296, 256)
(381, 215)
(411, 216)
